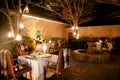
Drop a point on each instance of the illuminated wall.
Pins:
(57, 29)
(98, 31)
(47, 27)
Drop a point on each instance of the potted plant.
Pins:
(38, 37)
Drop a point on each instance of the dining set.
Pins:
(34, 65)
(37, 61)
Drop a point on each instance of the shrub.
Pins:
(77, 43)
(116, 42)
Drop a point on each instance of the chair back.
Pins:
(16, 70)
(22, 49)
(66, 54)
(10, 64)
(3, 62)
(60, 62)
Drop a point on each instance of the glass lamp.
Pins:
(18, 37)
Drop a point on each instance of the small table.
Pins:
(37, 62)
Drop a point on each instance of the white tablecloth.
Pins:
(37, 64)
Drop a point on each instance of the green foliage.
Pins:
(116, 42)
(30, 42)
(38, 35)
(77, 43)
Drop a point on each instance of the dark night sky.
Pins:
(103, 14)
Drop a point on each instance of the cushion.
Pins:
(39, 48)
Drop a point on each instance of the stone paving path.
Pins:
(92, 71)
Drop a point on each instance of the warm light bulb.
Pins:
(26, 9)
(10, 34)
(21, 25)
(49, 41)
(76, 27)
(20, 10)
(77, 37)
(73, 28)
(18, 37)
(100, 41)
(74, 33)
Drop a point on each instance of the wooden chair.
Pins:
(56, 67)
(12, 68)
(66, 54)
(22, 49)
(3, 64)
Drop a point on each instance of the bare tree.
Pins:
(11, 9)
(116, 2)
(6, 12)
(71, 11)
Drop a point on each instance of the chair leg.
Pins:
(30, 75)
(44, 74)
(7, 76)
(57, 76)
(14, 78)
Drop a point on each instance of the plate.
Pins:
(46, 55)
(30, 57)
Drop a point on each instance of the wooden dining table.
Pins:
(37, 61)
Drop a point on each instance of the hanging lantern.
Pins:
(10, 34)
(73, 28)
(76, 27)
(18, 37)
(74, 33)
(26, 9)
(21, 25)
